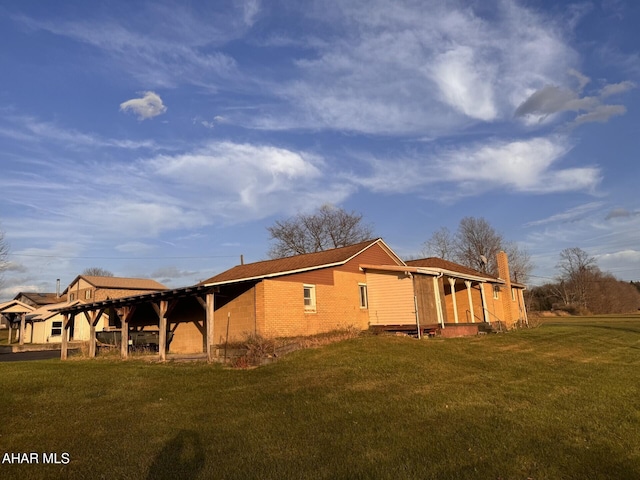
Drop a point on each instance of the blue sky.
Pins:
(160, 139)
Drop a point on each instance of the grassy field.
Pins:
(560, 401)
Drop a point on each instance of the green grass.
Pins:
(555, 402)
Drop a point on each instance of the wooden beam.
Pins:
(210, 311)
(161, 310)
(124, 336)
(63, 349)
(92, 317)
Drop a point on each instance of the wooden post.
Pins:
(210, 310)
(470, 299)
(162, 326)
(63, 349)
(92, 317)
(10, 332)
(484, 303)
(452, 283)
(124, 335)
(22, 327)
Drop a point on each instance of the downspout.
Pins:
(436, 292)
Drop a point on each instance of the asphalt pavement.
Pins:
(26, 356)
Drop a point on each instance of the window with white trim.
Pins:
(309, 295)
(513, 294)
(56, 328)
(87, 294)
(364, 303)
(496, 292)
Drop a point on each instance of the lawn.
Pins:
(558, 401)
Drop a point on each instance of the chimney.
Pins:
(57, 288)
(241, 259)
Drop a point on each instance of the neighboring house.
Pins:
(15, 314)
(44, 323)
(37, 299)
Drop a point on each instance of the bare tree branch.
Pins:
(328, 227)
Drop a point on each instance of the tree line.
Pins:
(582, 288)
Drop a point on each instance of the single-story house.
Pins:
(363, 286)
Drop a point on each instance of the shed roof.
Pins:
(439, 263)
(39, 298)
(124, 283)
(298, 263)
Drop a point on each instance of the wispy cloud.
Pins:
(570, 215)
(394, 70)
(26, 129)
(520, 166)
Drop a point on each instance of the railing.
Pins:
(469, 315)
(497, 319)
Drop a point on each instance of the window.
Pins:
(513, 294)
(363, 295)
(56, 329)
(496, 292)
(309, 294)
(72, 297)
(87, 294)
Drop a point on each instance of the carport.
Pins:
(147, 309)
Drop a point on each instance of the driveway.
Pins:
(26, 356)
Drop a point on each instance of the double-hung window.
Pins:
(309, 295)
(56, 328)
(362, 287)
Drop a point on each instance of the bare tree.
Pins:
(475, 244)
(328, 227)
(520, 264)
(577, 269)
(97, 272)
(441, 244)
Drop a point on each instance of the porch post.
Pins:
(210, 311)
(162, 326)
(484, 303)
(22, 327)
(63, 348)
(10, 331)
(124, 335)
(469, 296)
(452, 282)
(436, 292)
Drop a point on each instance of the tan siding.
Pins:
(390, 299)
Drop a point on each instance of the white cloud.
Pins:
(180, 52)
(520, 166)
(241, 181)
(148, 106)
(392, 69)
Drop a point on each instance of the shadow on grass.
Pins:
(182, 457)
